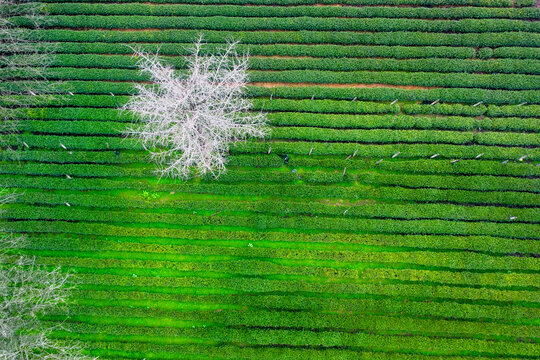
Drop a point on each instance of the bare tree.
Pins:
(23, 54)
(187, 121)
(24, 60)
(28, 291)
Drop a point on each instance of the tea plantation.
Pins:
(393, 212)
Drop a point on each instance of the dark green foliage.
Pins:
(484, 81)
(314, 50)
(395, 219)
(297, 11)
(482, 3)
(404, 38)
(414, 65)
(299, 23)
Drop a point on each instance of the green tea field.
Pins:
(392, 213)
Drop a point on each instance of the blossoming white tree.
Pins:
(28, 290)
(187, 121)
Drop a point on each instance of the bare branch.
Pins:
(27, 291)
(22, 56)
(187, 122)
